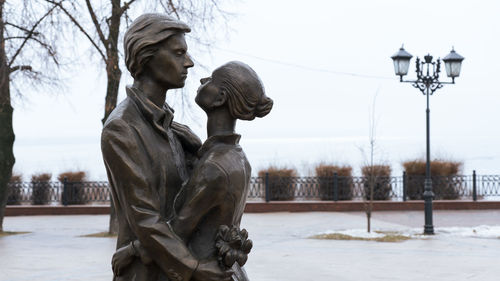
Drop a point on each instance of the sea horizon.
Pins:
(82, 153)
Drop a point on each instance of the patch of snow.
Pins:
(481, 231)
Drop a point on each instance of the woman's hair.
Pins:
(245, 93)
(141, 39)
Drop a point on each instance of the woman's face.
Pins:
(169, 65)
(209, 93)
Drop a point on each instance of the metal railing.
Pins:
(406, 187)
(59, 193)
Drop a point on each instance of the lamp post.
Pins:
(427, 82)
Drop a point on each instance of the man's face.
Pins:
(169, 66)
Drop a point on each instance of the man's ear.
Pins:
(221, 99)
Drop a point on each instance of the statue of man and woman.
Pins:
(178, 202)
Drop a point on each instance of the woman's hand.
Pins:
(122, 258)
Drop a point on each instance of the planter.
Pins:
(327, 182)
(280, 182)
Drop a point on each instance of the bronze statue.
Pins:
(197, 237)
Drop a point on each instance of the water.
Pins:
(57, 155)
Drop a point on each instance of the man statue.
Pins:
(146, 155)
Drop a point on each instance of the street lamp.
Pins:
(401, 61)
(453, 64)
(427, 82)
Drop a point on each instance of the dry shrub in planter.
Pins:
(41, 188)
(325, 174)
(281, 182)
(442, 176)
(73, 189)
(15, 189)
(380, 177)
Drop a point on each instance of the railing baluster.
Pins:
(266, 186)
(404, 185)
(335, 187)
(474, 186)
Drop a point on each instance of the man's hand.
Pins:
(122, 259)
(211, 271)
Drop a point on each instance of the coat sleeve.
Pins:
(127, 170)
(203, 192)
(189, 140)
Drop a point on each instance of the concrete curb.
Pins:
(354, 206)
(30, 210)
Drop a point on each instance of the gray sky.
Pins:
(305, 53)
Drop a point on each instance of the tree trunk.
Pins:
(6, 153)
(6, 130)
(112, 67)
(114, 74)
(369, 206)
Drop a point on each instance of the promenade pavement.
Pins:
(54, 249)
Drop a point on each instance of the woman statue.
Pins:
(211, 203)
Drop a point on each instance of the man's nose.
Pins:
(189, 62)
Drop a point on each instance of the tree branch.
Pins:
(80, 28)
(174, 9)
(43, 44)
(14, 37)
(21, 28)
(96, 24)
(20, 67)
(125, 6)
(30, 34)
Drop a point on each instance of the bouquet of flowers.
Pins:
(232, 245)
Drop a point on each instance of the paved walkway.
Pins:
(54, 250)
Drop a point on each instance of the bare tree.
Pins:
(27, 52)
(370, 167)
(102, 23)
(372, 177)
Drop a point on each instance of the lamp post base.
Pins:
(428, 229)
(428, 195)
